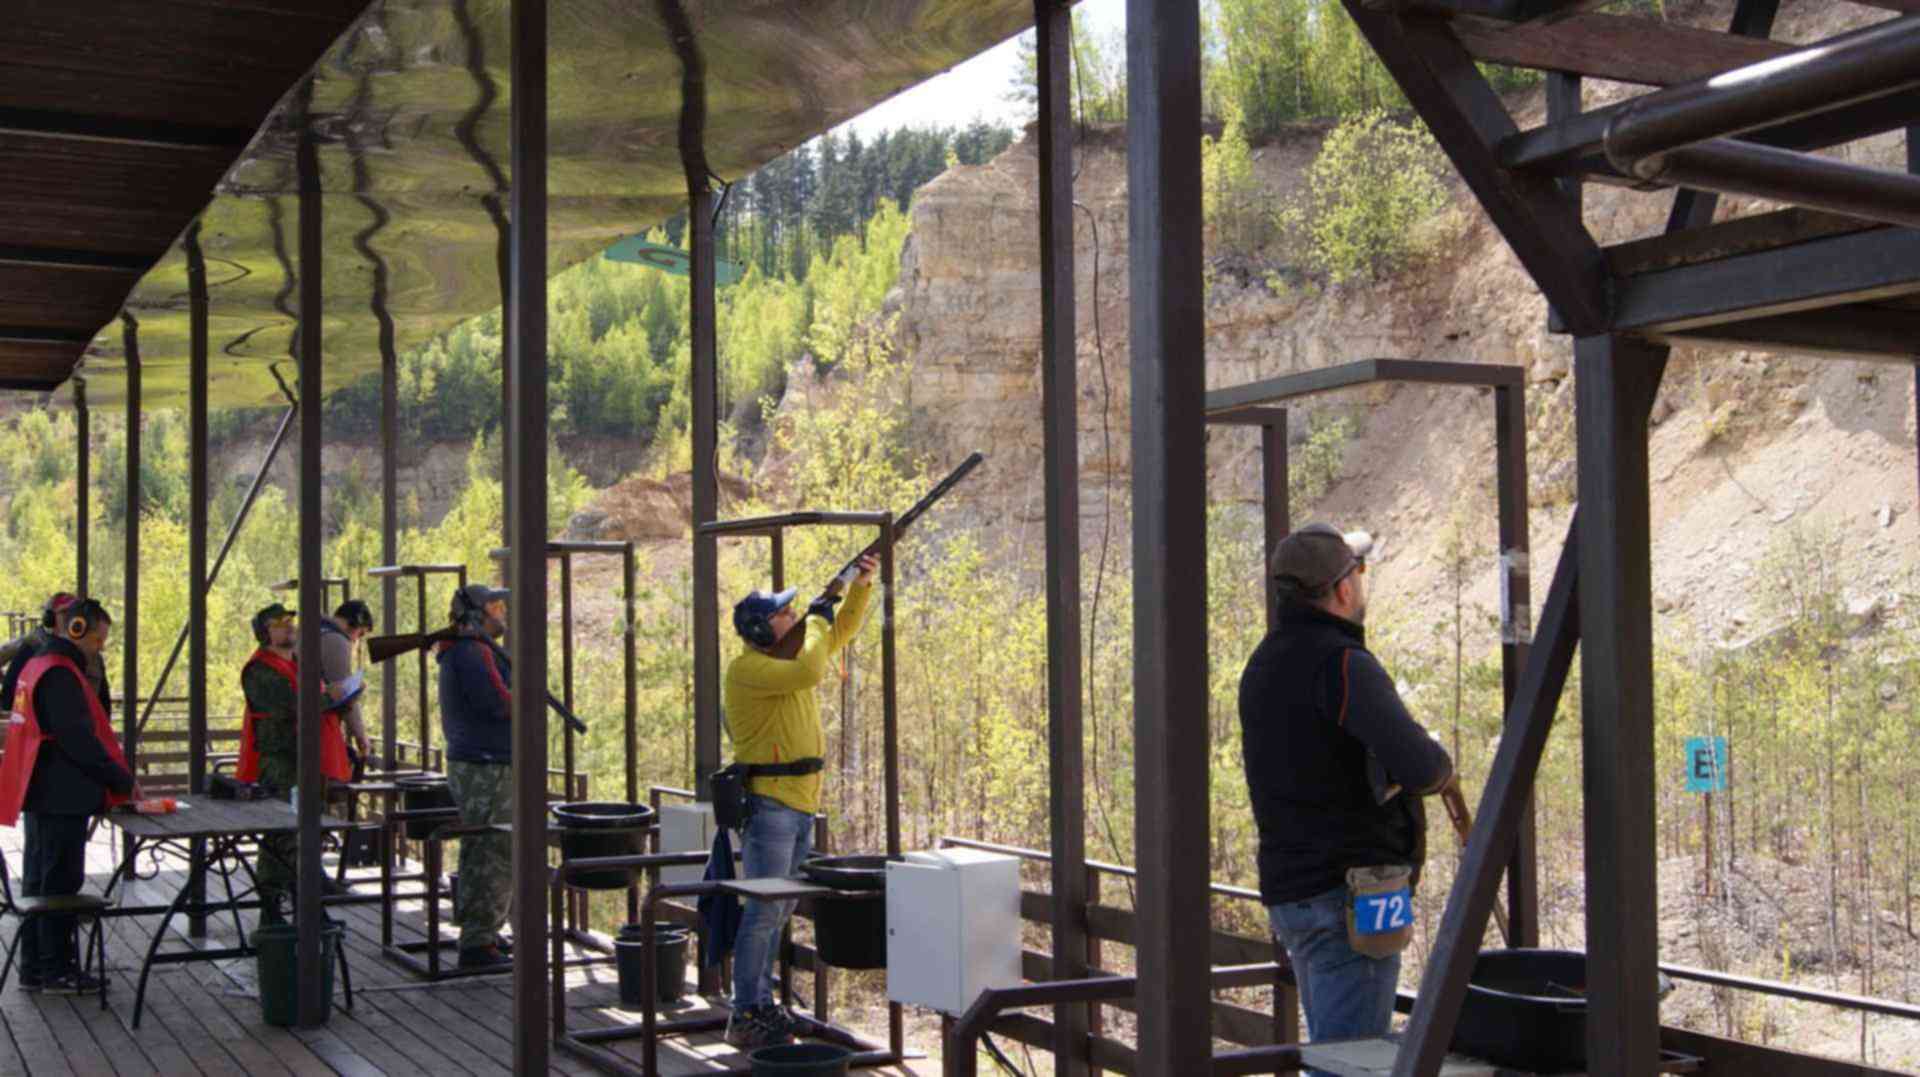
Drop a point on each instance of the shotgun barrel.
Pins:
(789, 645)
(382, 648)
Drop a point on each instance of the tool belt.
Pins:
(731, 808)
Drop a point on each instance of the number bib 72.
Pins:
(1382, 914)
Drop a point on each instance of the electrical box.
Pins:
(685, 828)
(953, 927)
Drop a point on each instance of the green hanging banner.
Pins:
(669, 259)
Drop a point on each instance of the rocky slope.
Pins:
(1745, 444)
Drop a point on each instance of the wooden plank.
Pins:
(1648, 52)
(33, 1037)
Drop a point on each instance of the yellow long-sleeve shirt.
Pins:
(772, 714)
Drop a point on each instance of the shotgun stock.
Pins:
(789, 645)
(382, 648)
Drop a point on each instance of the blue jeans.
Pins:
(1346, 995)
(776, 839)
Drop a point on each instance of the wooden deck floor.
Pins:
(203, 1018)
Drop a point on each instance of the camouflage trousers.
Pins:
(275, 863)
(484, 792)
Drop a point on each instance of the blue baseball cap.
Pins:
(758, 608)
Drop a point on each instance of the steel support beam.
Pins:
(308, 917)
(1066, 765)
(77, 260)
(157, 134)
(526, 566)
(1276, 509)
(1516, 639)
(705, 394)
(1167, 325)
(130, 580)
(1615, 379)
(1438, 76)
(198, 503)
(390, 550)
(1832, 271)
(82, 488)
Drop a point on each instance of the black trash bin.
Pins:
(850, 932)
(1527, 1009)
(602, 828)
(670, 963)
(277, 968)
(800, 1060)
(420, 792)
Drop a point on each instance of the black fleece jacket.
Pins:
(73, 771)
(1317, 713)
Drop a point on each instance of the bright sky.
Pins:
(979, 86)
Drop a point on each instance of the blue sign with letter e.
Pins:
(1378, 914)
(1706, 764)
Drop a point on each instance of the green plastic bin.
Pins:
(278, 969)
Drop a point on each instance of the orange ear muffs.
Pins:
(78, 627)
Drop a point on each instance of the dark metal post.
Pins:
(630, 640)
(1614, 381)
(1053, 22)
(425, 721)
(197, 511)
(82, 485)
(1172, 757)
(130, 583)
(1277, 512)
(890, 738)
(307, 914)
(527, 563)
(389, 548)
(706, 494)
(1516, 637)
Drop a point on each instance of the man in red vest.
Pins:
(62, 765)
(270, 745)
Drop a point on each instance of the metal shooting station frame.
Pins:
(1258, 403)
(579, 920)
(418, 573)
(589, 1044)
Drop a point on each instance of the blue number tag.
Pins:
(1379, 914)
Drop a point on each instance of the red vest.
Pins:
(24, 736)
(334, 764)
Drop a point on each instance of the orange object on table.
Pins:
(156, 806)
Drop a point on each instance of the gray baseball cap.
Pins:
(1319, 554)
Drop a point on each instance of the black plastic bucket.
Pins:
(800, 1060)
(1527, 1009)
(422, 792)
(850, 932)
(670, 963)
(602, 828)
(278, 971)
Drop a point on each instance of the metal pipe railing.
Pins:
(1835, 73)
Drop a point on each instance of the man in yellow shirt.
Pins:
(772, 717)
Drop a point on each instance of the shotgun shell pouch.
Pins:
(729, 787)
(1380, 909)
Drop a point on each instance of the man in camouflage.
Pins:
(270, 746)
(475, 714)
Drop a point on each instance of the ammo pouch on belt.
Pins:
(1380, 909)
(729, 785)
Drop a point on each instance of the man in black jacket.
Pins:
(1336, 767)
(476, 711)
(72, 774)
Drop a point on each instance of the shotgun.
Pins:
(1456, 803)
(382, 648)
(789, 645)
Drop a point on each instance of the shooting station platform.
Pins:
(204, 1018)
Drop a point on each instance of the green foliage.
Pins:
(1233, 202)
(1098, 84)
(1373, 185)
(1287, 60)
(1312, 467)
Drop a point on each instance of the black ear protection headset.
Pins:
(82, 617)
(758, 632)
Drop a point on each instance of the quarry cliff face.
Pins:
(1746, 445)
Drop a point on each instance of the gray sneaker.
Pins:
(758, 1026)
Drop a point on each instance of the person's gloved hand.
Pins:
(822, 607)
